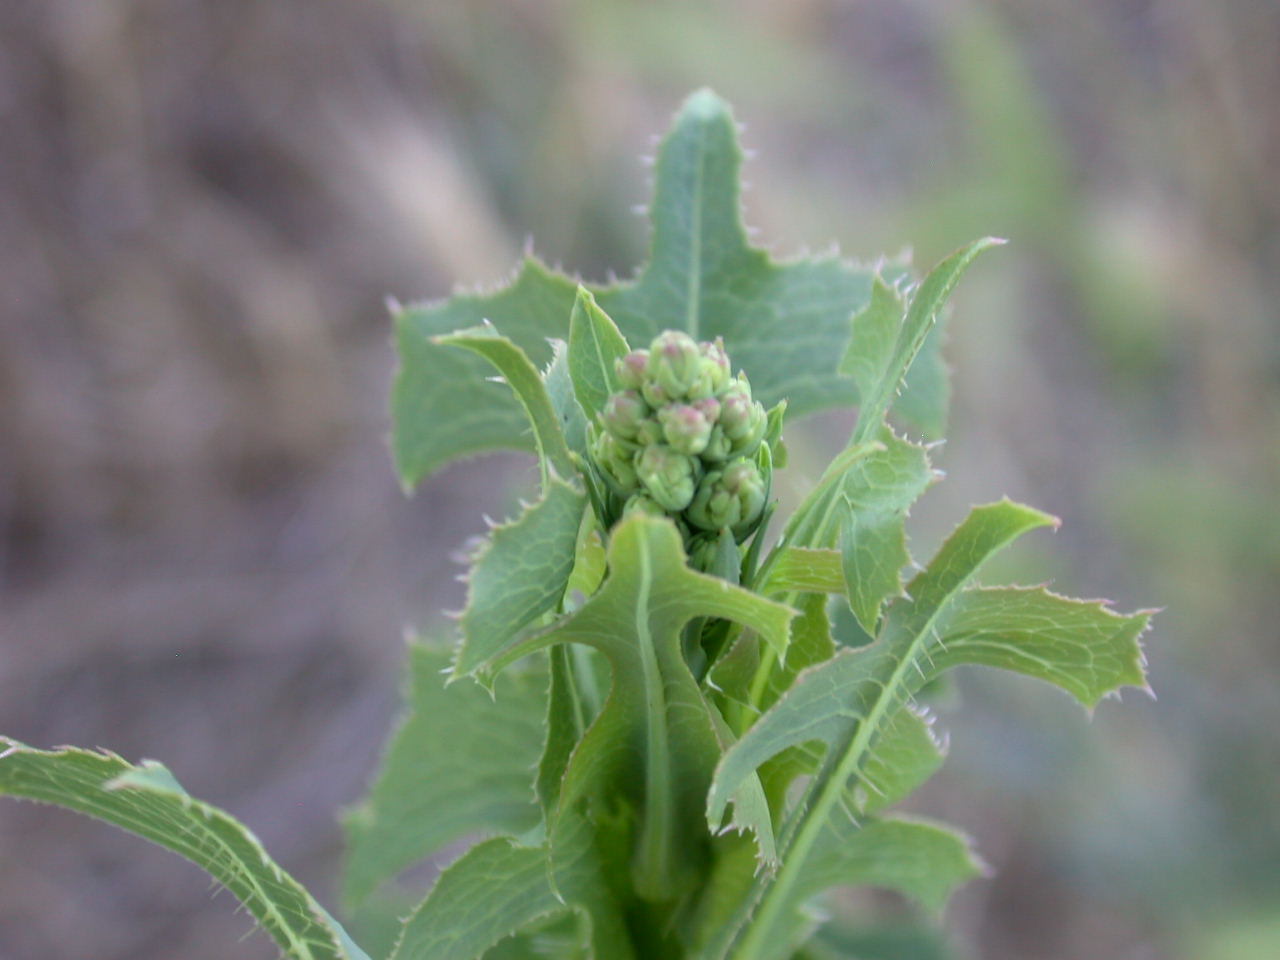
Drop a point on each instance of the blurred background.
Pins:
(204, 556)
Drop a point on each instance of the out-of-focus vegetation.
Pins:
(203, 552)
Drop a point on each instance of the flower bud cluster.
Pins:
(681, 437)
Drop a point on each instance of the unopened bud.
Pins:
(655, 394)
(675, 363)
(641, 503)
(716, 364)
(615, 462)
(630, 369)
(743, 419)
(668, 476)
(733, 497)
(650, 432)
(719, 447)
(704, 552)
(624, 413)
(685, 428)
(709, 407)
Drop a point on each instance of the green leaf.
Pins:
(492, 891)
(146, 800)
(786, 324)
(814, 522)
(925, 400)
(594, 345)
(906, 755)
(461, 764)
(848, 702)
(918, 858)
(560, 391)
(520, 574)
(655, 741)
(523, 377)
(876, 329)
(500, 887)
(805, 570)
(875, 499)
(873, 551)
(442, 407)
(1079, 645)
(877, 362)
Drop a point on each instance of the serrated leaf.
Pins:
(594, 345)
(492, 891)
(848, 701)
(814, 523)
(873, 551)
(876, 329)
(654, 742)
(520, 574)
(522, 376)
(1079, 645)
(805, 570)
(500, 887)
(786, 324)
(461, 764)
(925, 399)
(918, 858)
(442, 407)
(147, 801)
(573, 422)
(880, 378)
(907, 754)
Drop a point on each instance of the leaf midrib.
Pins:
(657, 801)
(795, 853)
(693, 289)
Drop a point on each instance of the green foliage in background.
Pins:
(669, 738)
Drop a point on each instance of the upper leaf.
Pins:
(146, 800)
(594, 345)
(520, 573)
(1078, 645)
(527, 384)
(442, 407)
(879, 379)
(786, 324)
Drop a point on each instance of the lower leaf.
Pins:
(148, 801)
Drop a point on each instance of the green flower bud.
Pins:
(675, 364)
(743, 419)
(669, 476)
(719, 448)
(709, 407)
(616, 462)
(704, 551)
(655, 394)
(715, 364)
(733, 497)
(773, 434)
(624, 413)
(685, 428)
(650, 432)
(630, 369)
(640, 503)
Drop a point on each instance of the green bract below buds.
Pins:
(682, 437)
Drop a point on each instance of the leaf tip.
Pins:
(704, 104)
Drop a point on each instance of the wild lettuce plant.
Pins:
(671, 722)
